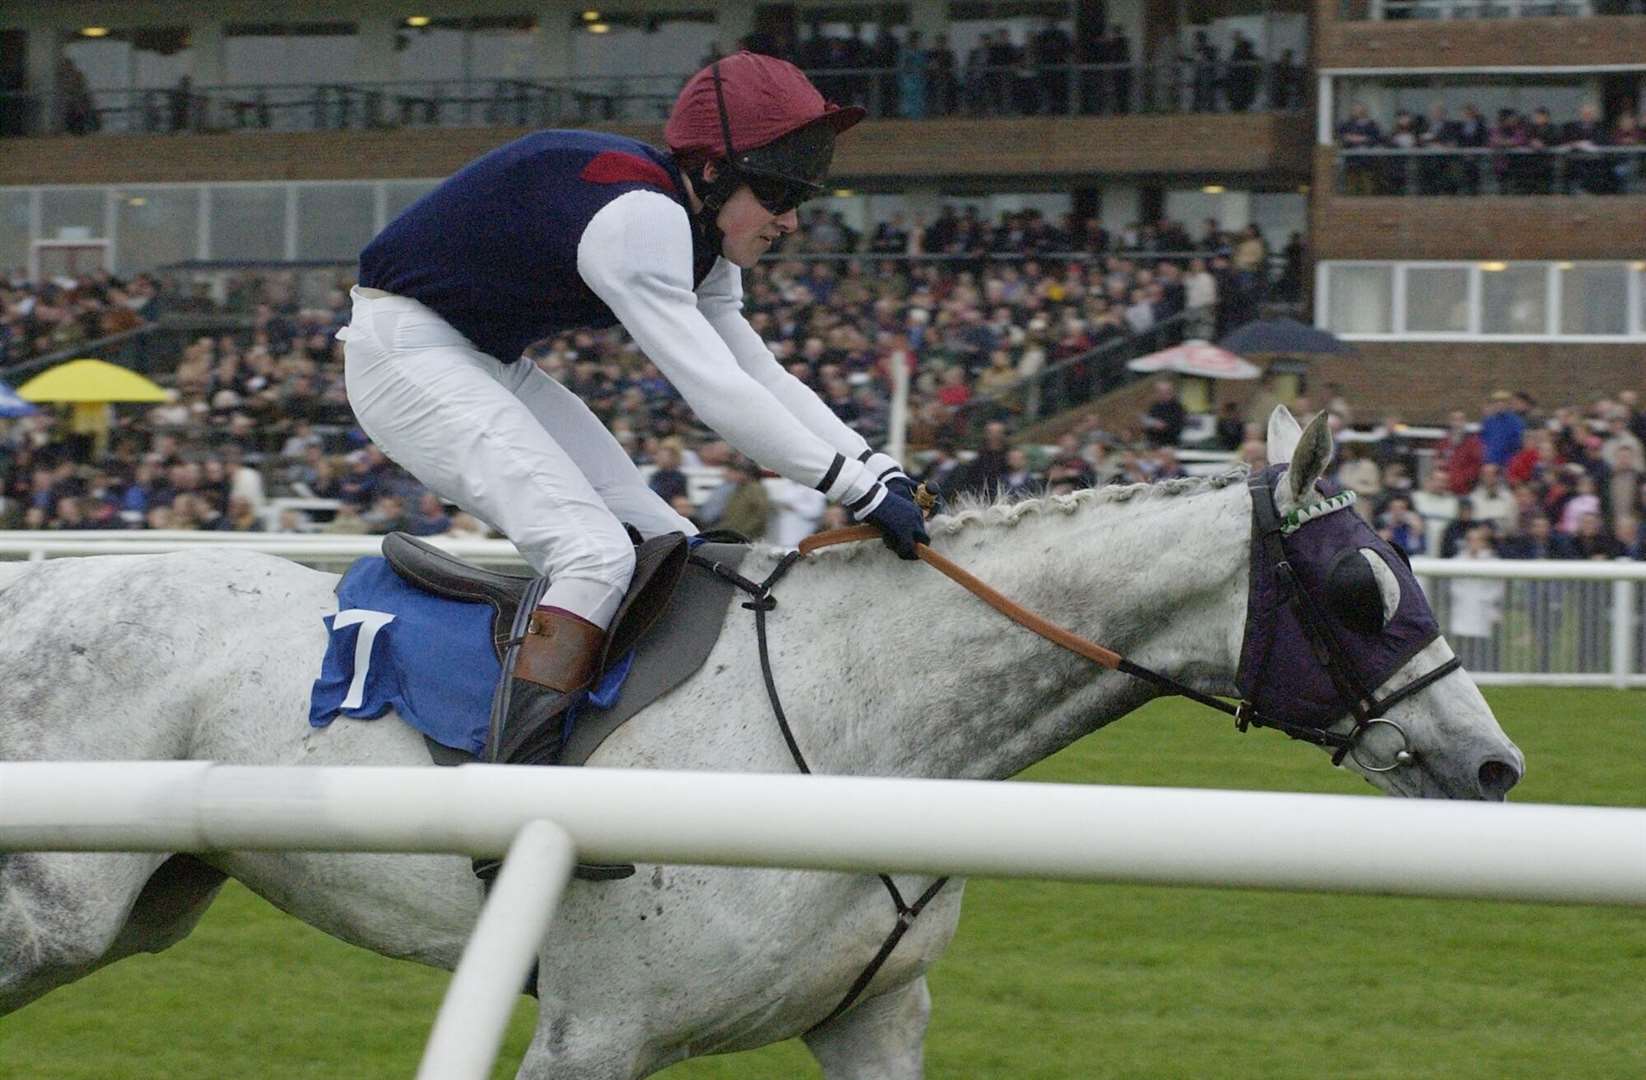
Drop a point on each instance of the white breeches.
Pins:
(477, 432)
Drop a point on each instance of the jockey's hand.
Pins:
(900, 484)
(886, 469)
(901, 524)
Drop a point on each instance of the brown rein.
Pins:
(1009, 608)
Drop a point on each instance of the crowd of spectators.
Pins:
(1049, 71)
(260, 410)
(1536, 155)
(1519, 482)
(43, 317)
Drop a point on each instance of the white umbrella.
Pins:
(1197, 357)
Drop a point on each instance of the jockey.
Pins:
(577, 229)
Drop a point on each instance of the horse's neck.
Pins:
(931, 682)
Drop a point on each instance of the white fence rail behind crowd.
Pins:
(1514, 623)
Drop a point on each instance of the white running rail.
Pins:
(1236, 839)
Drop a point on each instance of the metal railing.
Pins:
(1019, 90)
(1513, 622)
(1543, 622)
(1463, 171)
(1394, 10)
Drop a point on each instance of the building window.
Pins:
(1361, 298)
(1437, 299)
(1521, 301)
(1514, 298)
(1594, 298)
(155, 226)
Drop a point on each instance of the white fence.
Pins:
(1543, 623)
(1234, 839)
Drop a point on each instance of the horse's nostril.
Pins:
(1496, 778)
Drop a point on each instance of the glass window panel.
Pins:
(1594, 299)
(1362, 299)
(323, 53)
(155, 227)
(14, 229)
(503, 48)
(71, 213)
(333, 221)
(161, 55)
(248, 223)
(254, 55)
(431, 52)
(399, 194)
(1437, 299)
(105, 62)
(1515, 299)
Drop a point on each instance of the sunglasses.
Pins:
(778, 194)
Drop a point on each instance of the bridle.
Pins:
(1268, 539)
(1354, 698)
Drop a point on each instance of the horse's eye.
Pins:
(1361, 591)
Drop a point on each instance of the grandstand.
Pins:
(187, 194)
(1043, 192)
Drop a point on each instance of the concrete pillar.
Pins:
(45, 48)
(374, 57)
(554, 39)
(1122, 205)
(735, 22)
(206, 39)
(930, 17)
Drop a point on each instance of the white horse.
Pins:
(886, 669)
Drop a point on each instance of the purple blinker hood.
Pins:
(1282, 671)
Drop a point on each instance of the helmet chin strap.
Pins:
(713, 194)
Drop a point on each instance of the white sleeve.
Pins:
(636, 255)
(720, 299)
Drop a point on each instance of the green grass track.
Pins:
(1044, 980)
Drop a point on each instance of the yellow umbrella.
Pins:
(90, 386)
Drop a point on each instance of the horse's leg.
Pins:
(565, 1048)
(61, 914)
(881, 1039)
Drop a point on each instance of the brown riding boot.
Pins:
(559, 656)
(560, 651)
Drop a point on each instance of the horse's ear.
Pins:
(1309, 460)
(1283, 435)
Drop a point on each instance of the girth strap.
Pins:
(761, 601)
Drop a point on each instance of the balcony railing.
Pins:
(1073, 89)
(1391, 10)
(1453, 171)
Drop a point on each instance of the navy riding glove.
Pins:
(900, 484)
(901, 524)
(886, 469)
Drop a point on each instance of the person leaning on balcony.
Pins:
(1542, 135)
(1628, 131)
(1437, 172)
(1359, 132)
(1473, 133)
(1587, 171)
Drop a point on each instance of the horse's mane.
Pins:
(970, 511)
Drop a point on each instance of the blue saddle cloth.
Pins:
(431, 660)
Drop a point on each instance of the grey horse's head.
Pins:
(1348, 629)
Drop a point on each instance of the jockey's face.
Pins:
(748, 229)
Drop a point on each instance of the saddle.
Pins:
(666, 651)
